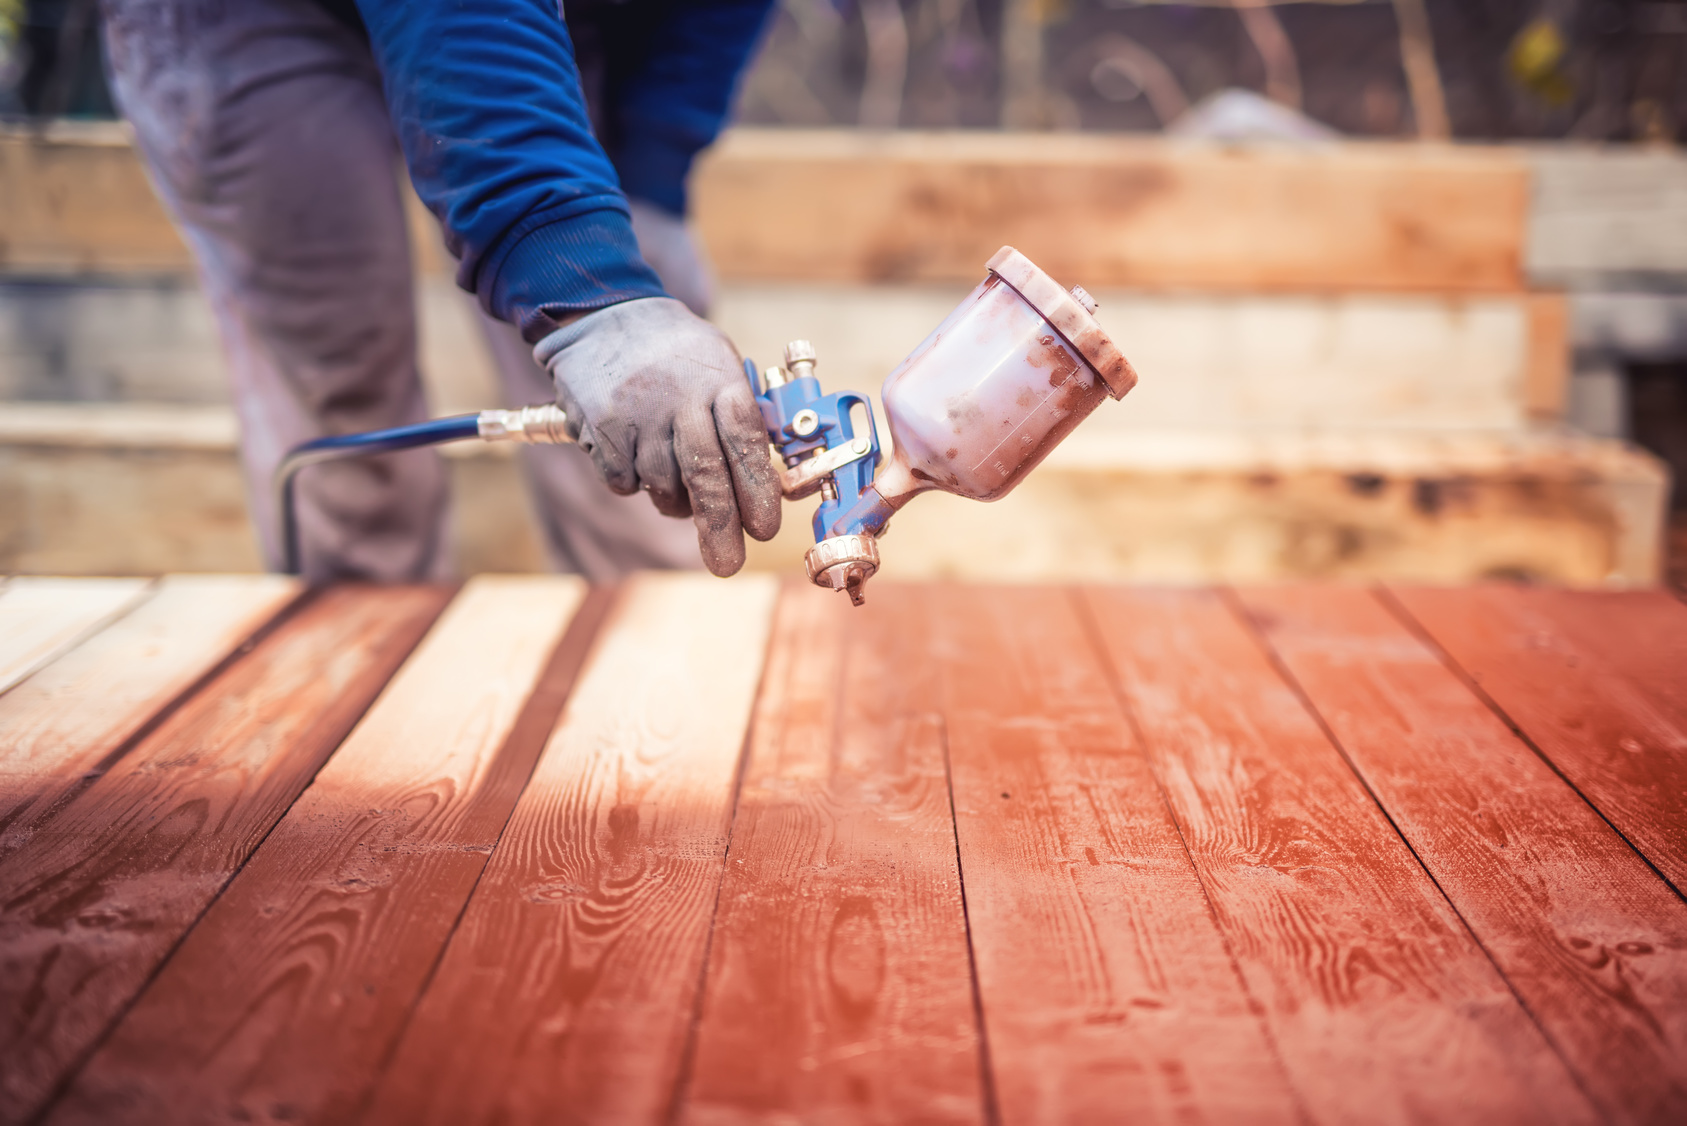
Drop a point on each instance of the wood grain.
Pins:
(1597, 682)
(569, 987)
(842, 205)
(283, 1000)
(1107, 990)
(1382, 1006)
(42, 618)
(93, 903)
(72, 716)
(838, 987)
(1592, 941)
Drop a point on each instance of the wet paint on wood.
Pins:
(838, 983)
(1596, 681)
(42, 618)
(1592, 941)
(70, 718)
(1107, 990)
(1383, 1008)
(578, 962)
(284, 999)
(95, 901)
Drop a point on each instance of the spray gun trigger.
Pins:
(804, 479)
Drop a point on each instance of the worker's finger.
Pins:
(714, 508)
(658, 473)
(743, 438)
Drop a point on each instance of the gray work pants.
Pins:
(264, 128)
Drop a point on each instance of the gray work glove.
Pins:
(666, 244)
(658, 398)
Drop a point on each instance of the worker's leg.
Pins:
(588, 529)
(264, 128)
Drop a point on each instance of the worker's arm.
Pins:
(486, 101)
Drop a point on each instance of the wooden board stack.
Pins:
(704, 852)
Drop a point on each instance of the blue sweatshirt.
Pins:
(486, 99)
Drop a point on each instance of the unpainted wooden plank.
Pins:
(281, 1003)
(1546, 357)
(41, 618)
(838, 987)
(1597, 681)
(70, 717)
(94, 902)
(568, 990)
(1592, 941)
(1383, 1007)
(1106, 987)
(840, 205)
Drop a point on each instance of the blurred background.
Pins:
(1405, 282)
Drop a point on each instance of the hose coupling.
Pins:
(542, 425)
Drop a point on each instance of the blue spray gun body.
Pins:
(820, 452)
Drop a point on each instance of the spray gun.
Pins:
(995, 387)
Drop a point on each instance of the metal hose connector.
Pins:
(542, 425)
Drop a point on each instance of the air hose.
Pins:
(541, 425)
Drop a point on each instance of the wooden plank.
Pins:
(42, 618)
(282, 1001)
(76, 714)
(842, 205)
(1382, 1006)
(1106, 987)
(93, 903)
(1597, 682)
(578, 961)
(839, 986)
(1546, 364)
(1592, 941)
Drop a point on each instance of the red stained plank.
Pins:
(568, 990)
(95, 901)
(838, 985)
(281, 1003)
(1382, 1006)
(1593, 942)
(1107, 990)
(1597, 682)
(71, 718)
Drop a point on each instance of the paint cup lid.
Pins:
(1069, 317)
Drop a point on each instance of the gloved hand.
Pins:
(658, 398)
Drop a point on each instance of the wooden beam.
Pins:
(1596, 683)
(1382, 1006)
(74, 718)
(42, 618)
(290, 991)
(94, 902)
(577, 963)
(1114, 211)
(1594, 943)
(1105, 984)
(838, 983)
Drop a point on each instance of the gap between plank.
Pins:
(157, 719)
(1394, 606)
(1233, 603)
(1092, 631)
(986, 1067)
(240, 652)
(532, 729)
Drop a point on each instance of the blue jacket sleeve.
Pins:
(672, 67)
(485, 97)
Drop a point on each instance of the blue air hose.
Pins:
(544, 424)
